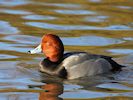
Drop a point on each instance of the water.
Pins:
(96, 26)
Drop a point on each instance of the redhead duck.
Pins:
(71, 65)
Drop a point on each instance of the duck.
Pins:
(71, 65)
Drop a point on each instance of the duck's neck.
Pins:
(56, 59)
(55, 62)
(49, 64)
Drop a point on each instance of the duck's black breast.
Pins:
(49, 65)
(53, 68)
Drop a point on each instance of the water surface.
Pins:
(96, 26)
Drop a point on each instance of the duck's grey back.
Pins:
(84, 64)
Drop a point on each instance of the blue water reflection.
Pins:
(91, 41)
(16, 12)
(76, 27)
(6, 28)
(114, 86)
(5, 56)
(121, 51)
(38, 17)
(125, 7)
(95, 1)
(96, 18)
(75, 12)
(68, 5)
(22, 39)
(12, 47)
(13, 2)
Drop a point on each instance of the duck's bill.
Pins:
(38, 49)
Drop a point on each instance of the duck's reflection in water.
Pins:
(53, 91)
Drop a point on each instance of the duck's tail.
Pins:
(115, 65)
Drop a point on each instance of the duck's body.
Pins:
(79, 64)
(76, 64)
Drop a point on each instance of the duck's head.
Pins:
(52, 47)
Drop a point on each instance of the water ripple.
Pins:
(13, 2)
(38, 17)
(114, 86)
(76, 27)
(83, 94)
(119, 27)
(95, 1)
(121, 51)
(125, 7)
(75, 12)
(6, 56)
(22, 39)
(6, 28)
(62, 5)
(90, 41)
(128, 38)
(96, 18)
(16, 12)
(12, 47)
